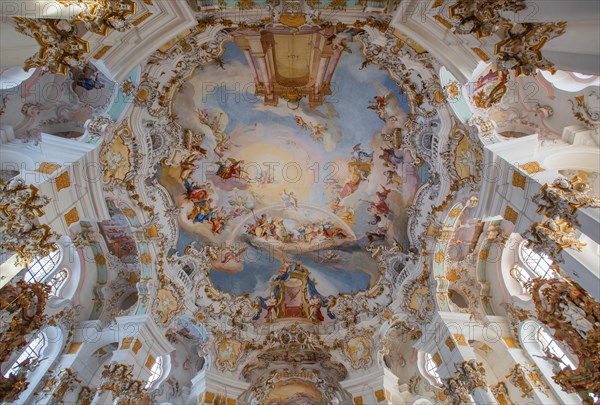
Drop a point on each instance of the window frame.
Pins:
(57, 285)
(532, 261)
(520, 274)
(53, 259)
(156, 372)
(33, 351)
(431, 368)
(547, 341)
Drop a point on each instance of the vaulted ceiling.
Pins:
(288, 198)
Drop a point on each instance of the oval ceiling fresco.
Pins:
(291, 191)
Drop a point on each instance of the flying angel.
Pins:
(290, 200)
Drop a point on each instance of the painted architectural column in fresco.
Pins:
(333, 64)
(323, 63)
(264, 70)
(250, 61)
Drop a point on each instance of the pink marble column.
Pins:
(262, 64)
(336, 58)
(252, 66)
(321, 73)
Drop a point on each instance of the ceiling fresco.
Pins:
(288, 196)
(291, 195)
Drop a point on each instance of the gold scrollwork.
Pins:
(20, 205)
(61, 46)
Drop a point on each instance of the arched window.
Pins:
(155, 372)
(57, 281)
(41, 267)
(520, 274)
(550, 347)
(549, 356)
(431, 368)
(537, 265)
(32, 352)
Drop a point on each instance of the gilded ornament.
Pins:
(20, 206)
(520, 377)
(482, 18)
(456, 392)
(71, 217)
(59, 384)
(501, 393)
(100, 259)
(60, 47)
(63, 181)
(584, 113)
(472, 374)
(146, 258)
(532, 167)
(552, 236)
(166, 304)
(510, 214)
(520, 50)
(357, 347)
(520, 44)
(450, 343)
(101, 16)
(455, 212)
(118, 378)
(100, 54)
(453, 90)
(86, 395)
(228, 350)
(481, 54)
(564, 197)
(519, 180)
(559, 202)
(22, 311)
(47, 168)
(439, 257)
(574, 317)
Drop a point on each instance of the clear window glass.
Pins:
(155, 372)
(550, 345)
(42, 266)
(518, 273)
(57, 281)
(32, 352)
(431, 368)
(539, 265)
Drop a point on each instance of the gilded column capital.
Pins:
(456, 391)
(20, 205)
(118, 378)
(563, 197)
(574, 317)
(472, 374)
(558, 202)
